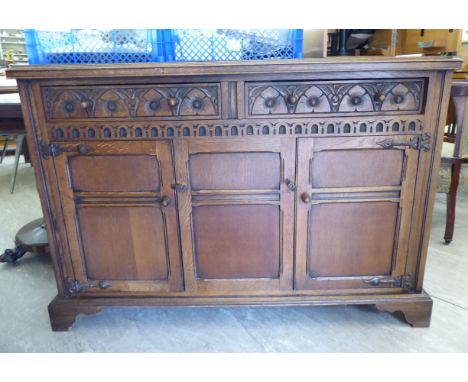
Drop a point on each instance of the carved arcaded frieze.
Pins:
(233, 129)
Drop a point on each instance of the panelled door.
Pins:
(236, 212)
(354, 206)
(120, 214)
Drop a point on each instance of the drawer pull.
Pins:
(84, 104)
(172, 101)
(305, 197)
(291, 99)
(379, 97)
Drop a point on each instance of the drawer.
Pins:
(348, 97)
(116, 102)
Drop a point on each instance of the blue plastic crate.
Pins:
(232, 44)
(79, 46)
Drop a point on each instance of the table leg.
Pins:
(19, 145)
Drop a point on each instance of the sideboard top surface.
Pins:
(335, 64)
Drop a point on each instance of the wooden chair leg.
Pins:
(451, 203)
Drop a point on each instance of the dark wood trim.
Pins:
(416, 307)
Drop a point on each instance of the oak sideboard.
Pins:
(290, 182)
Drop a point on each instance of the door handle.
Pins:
(306, 198)
(165, 201)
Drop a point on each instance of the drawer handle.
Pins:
(379, 97)
(172, 101)
(84, 104)
(306, 198)
(291, 99)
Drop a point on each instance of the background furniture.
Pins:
(453, 175)
(305, 182)
(12, 47)
(12, 128)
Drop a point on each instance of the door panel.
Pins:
(120, 216)
(230, 241)
(353, 168)
(115, 173)
(236, 213)
(135, 232)
(351, 239)
(354, 206)
(246, 171)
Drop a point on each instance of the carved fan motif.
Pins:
(269, 101)
(111, 103)
(400, 98)
(313, 101)
(356, 99)
(198, 101)
(153, 103)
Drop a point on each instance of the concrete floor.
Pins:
(27, 287)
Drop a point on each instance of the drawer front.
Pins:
(113, 102)
(306, 98)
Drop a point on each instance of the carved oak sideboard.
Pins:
(305, 182)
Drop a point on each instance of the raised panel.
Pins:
(351, 239)
(115, 173)
(234, 171)
(357, 168)
(241, 241)
(124, 243)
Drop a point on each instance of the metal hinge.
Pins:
(418, 142)
(55, 149)
(74, 286)
(405, 282)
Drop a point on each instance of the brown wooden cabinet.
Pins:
(305, 182)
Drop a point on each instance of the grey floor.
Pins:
(28, 286)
